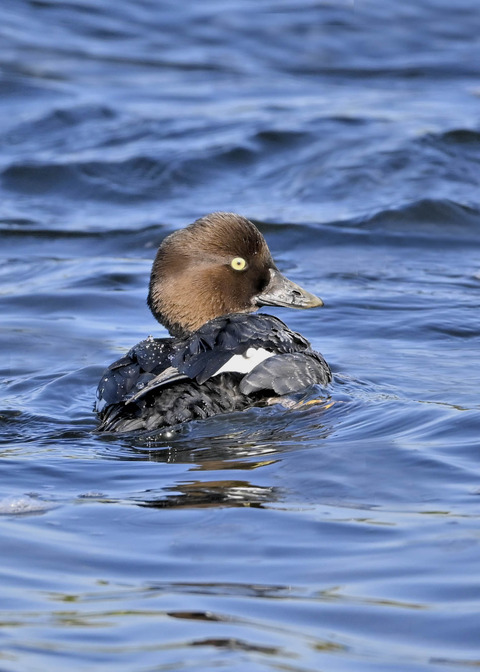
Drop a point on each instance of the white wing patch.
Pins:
(246, 362)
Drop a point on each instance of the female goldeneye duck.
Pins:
(207, 280)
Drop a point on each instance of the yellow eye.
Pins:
(238, 264)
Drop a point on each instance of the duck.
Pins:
(207, 282)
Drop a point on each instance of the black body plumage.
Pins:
(163, 382)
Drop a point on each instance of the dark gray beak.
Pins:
(281, 291)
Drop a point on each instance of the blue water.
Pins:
(341, 536)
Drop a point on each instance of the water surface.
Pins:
(342, 535)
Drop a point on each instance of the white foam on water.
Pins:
(22, 505)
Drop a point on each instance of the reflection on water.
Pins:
(236, 442)
(213, 493)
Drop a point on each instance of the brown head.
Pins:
(218, 265)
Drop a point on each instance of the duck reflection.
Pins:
(238, 442)
(207, 494)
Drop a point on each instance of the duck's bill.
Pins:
(281, 291)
